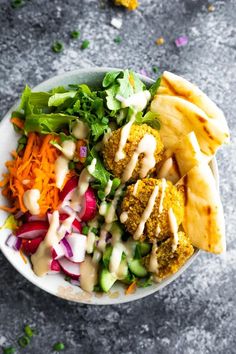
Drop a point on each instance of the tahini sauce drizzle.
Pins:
(41, 259)
(108, 187)
(173, 229)
(88, 274)
(84, 179)
(147, 146)
(123, 217)
(163, 188)
(147, 212)
(30, 199)
(153, 264)
(120, 154)
(135, 188)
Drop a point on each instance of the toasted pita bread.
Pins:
(180, 158)
(183, 108)
(203, 218)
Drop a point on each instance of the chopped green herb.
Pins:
(71, 165)
(97, 289)
(17, 3)
(94, 230)
(118, 39)
(75, 34)
(58, 346)
(153, 89)
(155, 69)
(67, 278)
(101, 195)
(145, 282)
(29, 331)
(23, 140)
(23, 341)
(85, 230)
(20, 147)
(57, 47)
(9, 350)
(85, 44)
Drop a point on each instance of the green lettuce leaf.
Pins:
(47, 123)
(109, 78)
(100, 174)
(59, 98)
(154, 88)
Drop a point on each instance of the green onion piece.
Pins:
(101, 195)
(105, 120)
(57, 47)
(23, 341)
(85, 230)
(74, 34)
(118, 39)
(58, 346)
(115, 183)
(85, 44)
(155, 69)
(29, 331)
(16, 3)
(9, 350)
(71, 165)
(94, 230)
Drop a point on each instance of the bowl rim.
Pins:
(50, 83)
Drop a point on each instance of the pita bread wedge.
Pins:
(203, 218)
(183, 108)
(180, 158)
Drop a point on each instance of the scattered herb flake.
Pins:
(57, 47)
(17, 3)
(155, 69)
(75, 34)
(85, 230)
(29, 331)
(118, 39)
(23, 341)
(9, 350)
(85, 44)
(181, 41)
(58, 346)
(160, 41)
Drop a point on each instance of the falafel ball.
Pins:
(137, 132)
(169, 262)
(136, 200)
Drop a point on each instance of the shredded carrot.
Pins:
(35, 168)
(22, 256)
(131, 288)
(18, 122)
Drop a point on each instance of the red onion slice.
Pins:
(14, 242)
(67, 247)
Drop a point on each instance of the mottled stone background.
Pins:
(197, 313)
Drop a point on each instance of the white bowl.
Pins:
(55, 284)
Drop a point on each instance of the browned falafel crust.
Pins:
(170, 262)
(111, 146)
(134, 206)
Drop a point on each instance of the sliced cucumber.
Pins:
(106, 280)
(137, 268)
(107, 256)
(145, 248)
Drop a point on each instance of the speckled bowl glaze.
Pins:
(55, 284)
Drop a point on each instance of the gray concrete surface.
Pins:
(197, 313)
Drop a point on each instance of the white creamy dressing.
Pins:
(103, 208)
(158, 230)
(115, 259)
(80, 130)
(165, 168)
(68, 149)
(146, 214)
(66, 225)
(146, 146)
(97, 255)
(91, 238)
(153, 264)
(124, 217)
(30, 199)
(41, 259)
(173, 229)
(88, 274)
(103, 234)
(84, 179)
(125, 130)
(163, 188)
(107, 190)
(138, 100)
(106, 136)
(135, 188)
(111, 212)
(61, 170)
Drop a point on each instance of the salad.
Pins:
(104, 184)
